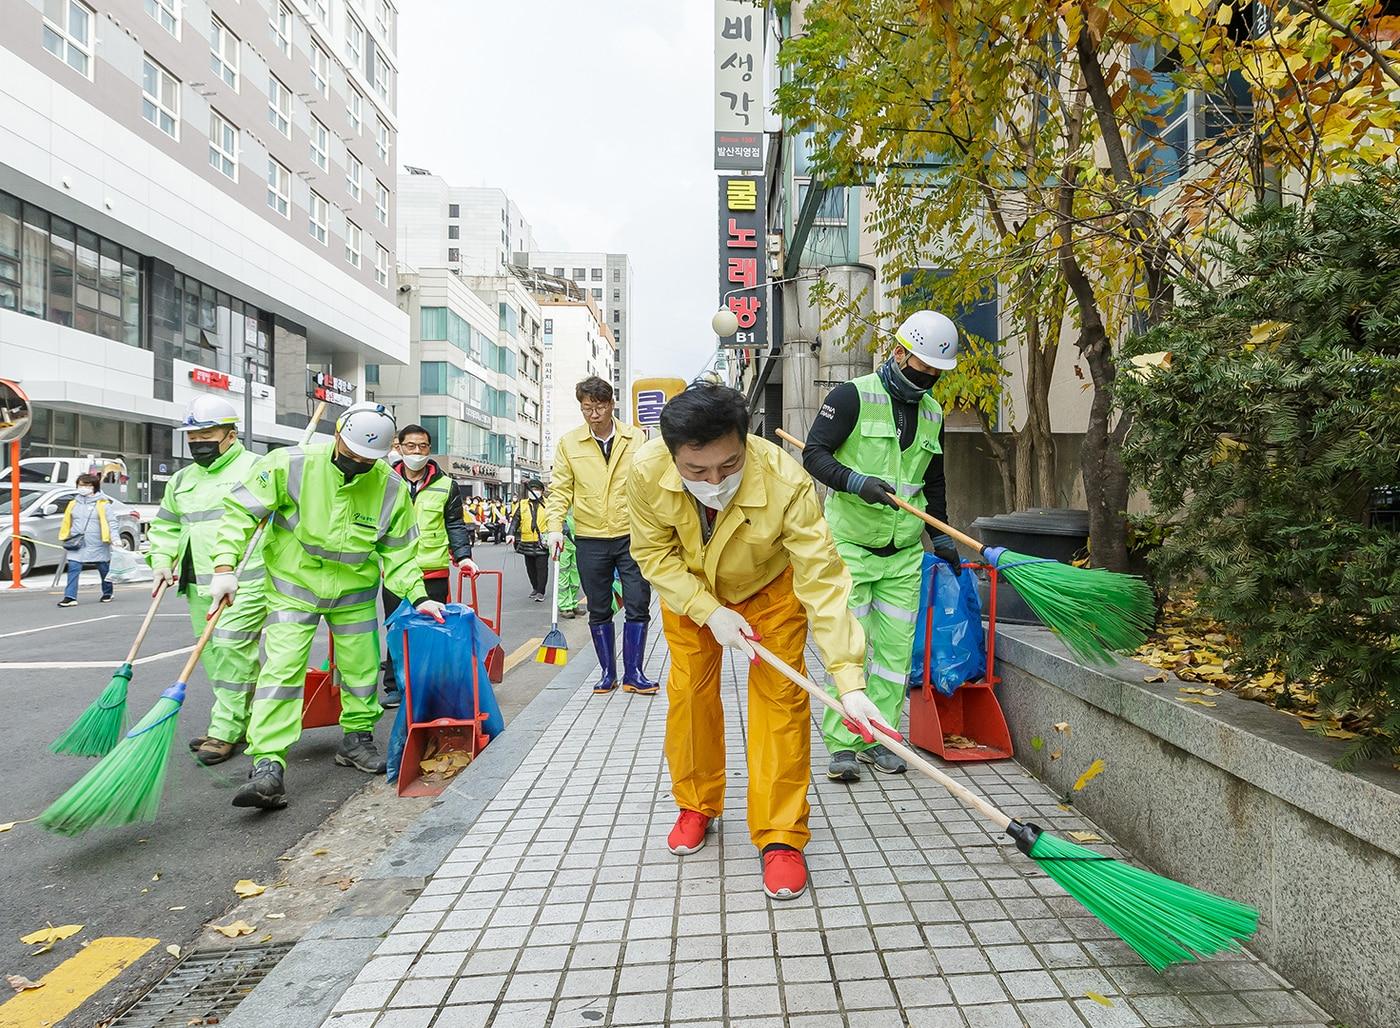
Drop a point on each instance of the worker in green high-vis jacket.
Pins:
(182, 555)
(874, 436)
(571, 599)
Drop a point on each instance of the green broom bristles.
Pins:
(1163, 921)
(1096, 612)
(98, 728)
(125, 786)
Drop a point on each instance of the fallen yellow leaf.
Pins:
(1090, 773)
(319, 853)
(1086, 837)
(234, 930)
(1160, 676)
(8, 825)
(247, 888)
(1199, 703)
(1057, 754)
(275, 917)
(174, 951)
(1062, 726)
(1101, 1000)
(51, 934)
(22, 984)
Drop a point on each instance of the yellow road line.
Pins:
(73, 982)
(522, 651)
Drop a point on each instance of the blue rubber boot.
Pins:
(634, 640)
(605, 645)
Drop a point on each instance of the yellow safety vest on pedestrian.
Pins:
(429, 508)
(595, 489)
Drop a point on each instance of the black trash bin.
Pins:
(1060, 533)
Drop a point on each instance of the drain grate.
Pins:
(203, 986)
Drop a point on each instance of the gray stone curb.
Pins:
(305, 985)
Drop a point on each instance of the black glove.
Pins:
(946, 550)
(875, 491)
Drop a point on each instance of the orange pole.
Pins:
(15, 582)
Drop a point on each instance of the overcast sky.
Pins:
(596, 117)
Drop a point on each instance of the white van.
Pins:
(65, 470)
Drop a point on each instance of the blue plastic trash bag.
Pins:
(959, 644)
(441, 657)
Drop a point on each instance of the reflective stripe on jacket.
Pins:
(773, 522)
(328, 538)
(190, 512)
(596, 489)
(872, 449)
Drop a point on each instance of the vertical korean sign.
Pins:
(738, 85)
(742, 214)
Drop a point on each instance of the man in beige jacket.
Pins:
(591, 465)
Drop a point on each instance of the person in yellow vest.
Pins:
(442, 530)
(727, 528)
(527, 535)
(591, 465)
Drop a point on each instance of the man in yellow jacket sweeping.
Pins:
(727, 528)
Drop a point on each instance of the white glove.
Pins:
(555, 542)
(730, 629)
(162, 576)
(223, 587)
(469, 566)
(433, 609)
(865, 716)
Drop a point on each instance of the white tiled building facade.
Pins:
(186, 186)
(577, 343)
(606, 279)
(468, 229)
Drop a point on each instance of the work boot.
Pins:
(358, 750)
(264, 787)
(634, 638)
(212, 751)
(605, 645)
(568, 613)
(843, 767)
(883, 760)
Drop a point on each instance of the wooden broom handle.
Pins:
(946, 529)
(146, 624)
(247, 556)
(895, 745)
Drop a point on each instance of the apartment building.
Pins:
(468, 229)
(577, 343)
(195, 197)
(607, 279)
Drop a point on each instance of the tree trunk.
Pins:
(1025, 480)
(1002, 459)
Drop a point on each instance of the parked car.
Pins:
(57, 471)
(40, 517)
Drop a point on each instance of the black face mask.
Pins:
(205, 452)
(349, 466)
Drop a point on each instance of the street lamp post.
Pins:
(248, 402)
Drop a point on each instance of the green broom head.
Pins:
(1163, 921)
(100, 726)
(1096, 612)
(125, 786)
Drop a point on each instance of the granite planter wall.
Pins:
(1236, 798)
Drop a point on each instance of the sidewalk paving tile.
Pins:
(561, 907)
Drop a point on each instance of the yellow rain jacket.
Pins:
(774, 522)
(594, 488)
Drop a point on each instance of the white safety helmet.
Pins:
(208, 412)
(931, 337)
(367, 430)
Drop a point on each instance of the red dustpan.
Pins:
(968, 725)
(320, 695)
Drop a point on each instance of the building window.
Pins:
(617, 317)
(372, 374)
(454, 210)
(598, 295)
(319, 7)
(279, 106)
(279, 188)
(320, 144)
(68, 34)
(454, 255)
(596, 274)
(381, 202)
(352, 244)
(281, 22)
(383, 79)
(160, 98)
(354, 173)
(432, 378)
(580, 274)
(617, 294)
(454, 231)
(354, 40)
(165, 12)
(617, 274)
(318, 217)
(381, 140)
(548, 326)
(386, 20)
(321, 68)
(381, 265)
(558, 272)
(354, 108)
(223, 145)
(223, 53)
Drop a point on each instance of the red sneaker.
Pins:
(784, 874)
(689, 833)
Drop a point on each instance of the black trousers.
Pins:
(537, 567)
(437, 590)
(597, 559)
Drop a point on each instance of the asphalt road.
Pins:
(165, 879)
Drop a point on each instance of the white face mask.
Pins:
(415, 461)
(716, 497)
(536, 494)
(85, 490)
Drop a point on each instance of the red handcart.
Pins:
(496, 659)
(320, 693)
(451, 734)
(972, 711)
